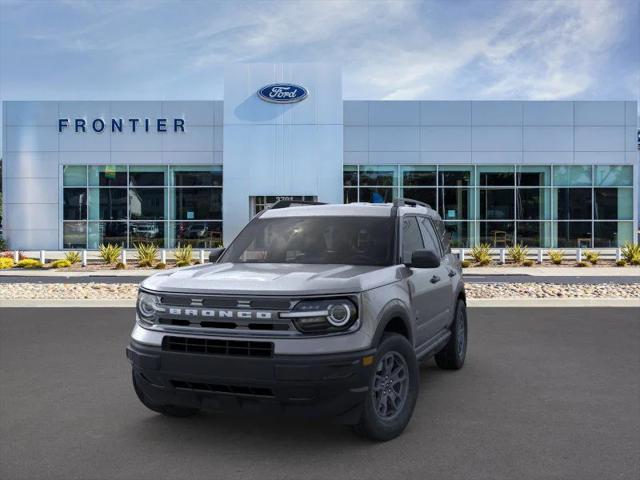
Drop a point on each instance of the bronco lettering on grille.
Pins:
(211, 313)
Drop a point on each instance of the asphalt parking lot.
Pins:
(546, 393)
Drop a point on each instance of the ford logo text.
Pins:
(283, 93)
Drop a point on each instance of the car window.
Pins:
(411, 238)
(444, 235)
(429, 236)
(315, 240)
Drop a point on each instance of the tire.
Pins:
(384, 422)
(452, 356)
(168, 410)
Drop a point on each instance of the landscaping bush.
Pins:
(6, 263)
(147, 254)
(518, 253)
(621, 263)
(120, 266)
(160, 266)
(73, 257)
(480, 254)
(592, 257)
(528, 262)
(62, 263)
(29, 263)
(465, 263)
(631, 253)
(556, 256)
(110, 252)
(184, 255)
(3, 244)
(582, 263)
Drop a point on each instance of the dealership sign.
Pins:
(99, 125)
(283, 93)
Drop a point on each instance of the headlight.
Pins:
(147, 306)
(323, 316)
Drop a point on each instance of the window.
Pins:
(315, 240)
(132, 204)
(429, 236)
(507, 204)
(411, 238)
(574, 203)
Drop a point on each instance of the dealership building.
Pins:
(542, 173)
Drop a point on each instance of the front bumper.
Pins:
(305, 385)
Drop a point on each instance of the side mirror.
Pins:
(424, 259)
(215, 254)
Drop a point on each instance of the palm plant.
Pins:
(518, 253)
(147, 254)
(184, 255)
(481, 254)
(109, 252)
(556, 256)
(631, 253)
(72, 257)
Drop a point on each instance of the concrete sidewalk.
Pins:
(484, 271)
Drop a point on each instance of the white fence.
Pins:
(540, 255)
(126, 256)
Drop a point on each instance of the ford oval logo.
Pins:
(283, 93)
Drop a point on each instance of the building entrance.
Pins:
(260, 202)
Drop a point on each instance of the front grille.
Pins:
(247, 390)
(209, 346)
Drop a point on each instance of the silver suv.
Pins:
(315, 310)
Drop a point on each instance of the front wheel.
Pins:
(452, 356)
(393, 390)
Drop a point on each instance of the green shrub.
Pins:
(73, 257)
(518, 253)
(631, 253)
(556, 256)
(62, 263)
(582, 263)
(481, 254)
(621, 263)
(147, 254)
(3, 244)
(29, 263)
(528, 262)
(160, 266)
(6, 263)
(184, 255)
(120, 266)
(465, 263)
(592, 256)
(110, 252)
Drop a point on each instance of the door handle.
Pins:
(452, 273)
(435, 279)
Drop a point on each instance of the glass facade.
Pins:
(536, 205)
(131, 204)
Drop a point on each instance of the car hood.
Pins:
(272, 279)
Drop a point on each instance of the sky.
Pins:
(402, 50)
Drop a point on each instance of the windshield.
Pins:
(323, 240)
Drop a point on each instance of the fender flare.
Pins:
(393, 309)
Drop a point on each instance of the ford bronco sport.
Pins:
(313, 309)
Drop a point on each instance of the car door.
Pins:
(442, 300)
(422, 286)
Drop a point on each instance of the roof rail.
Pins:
(402, 202)
(293, 203)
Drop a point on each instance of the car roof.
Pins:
(347, 210)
